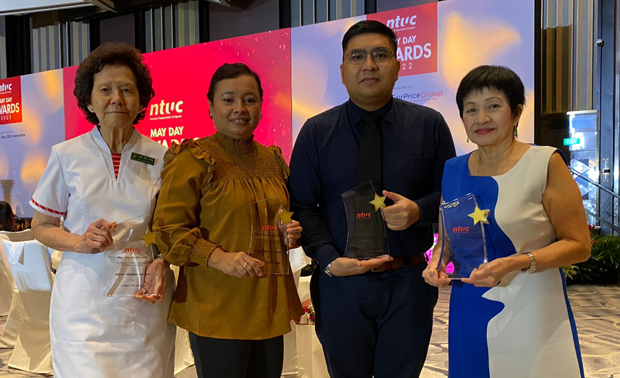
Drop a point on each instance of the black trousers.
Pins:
(222, 358)
(374, 324)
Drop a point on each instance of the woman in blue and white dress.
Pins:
(511, 318)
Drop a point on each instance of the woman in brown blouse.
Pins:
(235, 311)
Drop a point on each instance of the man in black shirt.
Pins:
(374, 316)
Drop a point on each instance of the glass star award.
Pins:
(128, 258)
(366, 234)
(463, 224)
(268, 241)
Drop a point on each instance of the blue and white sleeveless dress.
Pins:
(524, 327)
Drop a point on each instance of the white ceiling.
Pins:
(8, 7)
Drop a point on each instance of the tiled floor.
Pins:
(597, 313)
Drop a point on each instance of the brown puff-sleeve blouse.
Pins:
(207, 186)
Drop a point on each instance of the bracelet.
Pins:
(532, 267)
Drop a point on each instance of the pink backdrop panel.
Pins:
(181, 77)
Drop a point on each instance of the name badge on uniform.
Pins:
(142, 159)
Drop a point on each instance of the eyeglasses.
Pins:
(379, 55)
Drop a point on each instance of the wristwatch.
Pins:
(532, 267)
(328, 269)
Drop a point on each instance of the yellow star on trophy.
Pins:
(149, 238)
(285, 216)
(378, 202)
(480, 215)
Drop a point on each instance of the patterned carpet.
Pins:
(596, 309)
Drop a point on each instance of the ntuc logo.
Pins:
(460, 230)
(402, 22)
(132, 250)
(166, 108)
(363, 215)
(416, 29)
(269, 228)
(6, 87)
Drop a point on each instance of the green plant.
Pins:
(571, 272)
(308, 269)
(604, 264)
(607, 248)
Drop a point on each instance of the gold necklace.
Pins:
(512, 147)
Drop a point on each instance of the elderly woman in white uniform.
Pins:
(96, 181)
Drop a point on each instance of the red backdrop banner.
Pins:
(11, 100)
(181, 77)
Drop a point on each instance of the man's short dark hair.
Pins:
(232, 71)
(500, 78)
(369, 26)
(114, 53)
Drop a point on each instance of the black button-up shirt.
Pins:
(324, 164)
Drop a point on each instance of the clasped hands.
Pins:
(241, 264)
(98, 237)
(486, 275)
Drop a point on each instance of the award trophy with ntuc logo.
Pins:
(268, 239)
(129, 257)
(463, 225)
(366, 234)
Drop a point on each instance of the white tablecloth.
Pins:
(310, 359)
(303, 352)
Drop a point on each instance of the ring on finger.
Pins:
(244, 265)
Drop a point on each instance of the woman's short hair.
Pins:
(7, 219)
(232, 71)
(114, 53)
(500, 78)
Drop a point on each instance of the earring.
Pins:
(514, 131)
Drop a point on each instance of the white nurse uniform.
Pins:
(94, 335)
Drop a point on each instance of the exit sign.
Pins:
(571, 141)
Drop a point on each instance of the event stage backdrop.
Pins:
(438, 44)
(28, 134)
(181, 77)
(300, 72)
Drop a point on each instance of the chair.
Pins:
(6, 283)
(16, 310)
(183, 357)
(5, 292)
(31, 271)
(291, 366)
(311, 360)
(19, 235)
